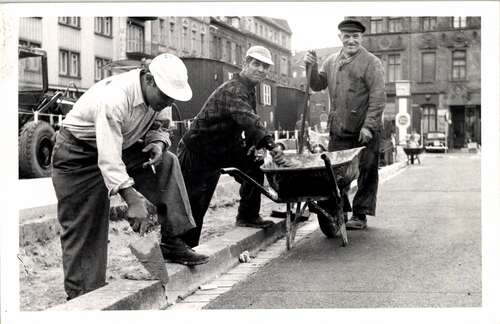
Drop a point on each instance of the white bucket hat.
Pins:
(171, 77)
(260, 53)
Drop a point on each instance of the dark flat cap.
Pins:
(350, 25)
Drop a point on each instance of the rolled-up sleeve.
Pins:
(376, 102)
(109, 141)
(157, 133)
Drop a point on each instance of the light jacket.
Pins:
(357, 92)
(112, 116)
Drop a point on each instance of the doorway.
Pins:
(458, 126)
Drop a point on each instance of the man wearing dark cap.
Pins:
(355, 81)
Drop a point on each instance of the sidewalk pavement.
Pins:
(39, 223)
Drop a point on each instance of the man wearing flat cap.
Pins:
(356, 86)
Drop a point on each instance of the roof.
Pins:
(281, 23)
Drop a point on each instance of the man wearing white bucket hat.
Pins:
(112, 142)
(215, 141)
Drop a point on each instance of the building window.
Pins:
(239, 55)
(102, 26)
(135, 38)
(229, 57)
(428, 23)
(428, 67)
(235, 22)
(283, 66)
(376, 25)
(69, 63)
(459, 64)
(217, 48)
(185, 39)
(163, 32)
(395, 25)
(100, 72)
(429, 119)
(70, 21)
(202, 44)
(193, 42)
(394, 67)
(172, 37)
(459, 22)
(266, 94)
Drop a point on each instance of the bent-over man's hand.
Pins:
(141, 212)
(365, 136)
(278, 155)
(155, 150)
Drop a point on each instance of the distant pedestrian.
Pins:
(112, 143)
(226, 133)
(355, 81)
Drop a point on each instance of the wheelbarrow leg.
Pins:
(289, 225)
(293, 225)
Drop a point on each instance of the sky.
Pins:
(313, 32)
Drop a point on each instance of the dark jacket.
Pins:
(229, 111)
(357, 92)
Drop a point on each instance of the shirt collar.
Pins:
(246, 81)
(135, 76)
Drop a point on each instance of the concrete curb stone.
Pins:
(134, 295)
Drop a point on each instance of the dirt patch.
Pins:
(40, 267)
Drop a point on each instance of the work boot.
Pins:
(357, 222)
(175, 250)
(256, 222)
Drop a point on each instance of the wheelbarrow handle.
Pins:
(331, 177)
(238, 174)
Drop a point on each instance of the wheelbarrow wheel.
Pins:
(327, 226)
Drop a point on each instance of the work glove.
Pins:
(155, 150)
(141, 213)
(365, 136)
(310, 58)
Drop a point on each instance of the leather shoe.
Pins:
(357, 222)
(176, 251)
(256, 222)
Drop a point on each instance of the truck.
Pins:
(40, 113)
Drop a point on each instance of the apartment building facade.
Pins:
(83, 50)
(441, 57)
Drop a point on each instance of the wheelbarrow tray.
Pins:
(413, 150)
(307, 179)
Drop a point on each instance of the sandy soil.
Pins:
(40, 271)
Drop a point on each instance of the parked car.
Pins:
(436, 142)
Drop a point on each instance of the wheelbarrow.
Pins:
(307, 179)
(412, 154)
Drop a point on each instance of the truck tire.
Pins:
(35, 150)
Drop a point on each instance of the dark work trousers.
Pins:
(83, 206)
(201, 178)
(365, 199)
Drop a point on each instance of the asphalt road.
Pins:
(422, 250)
